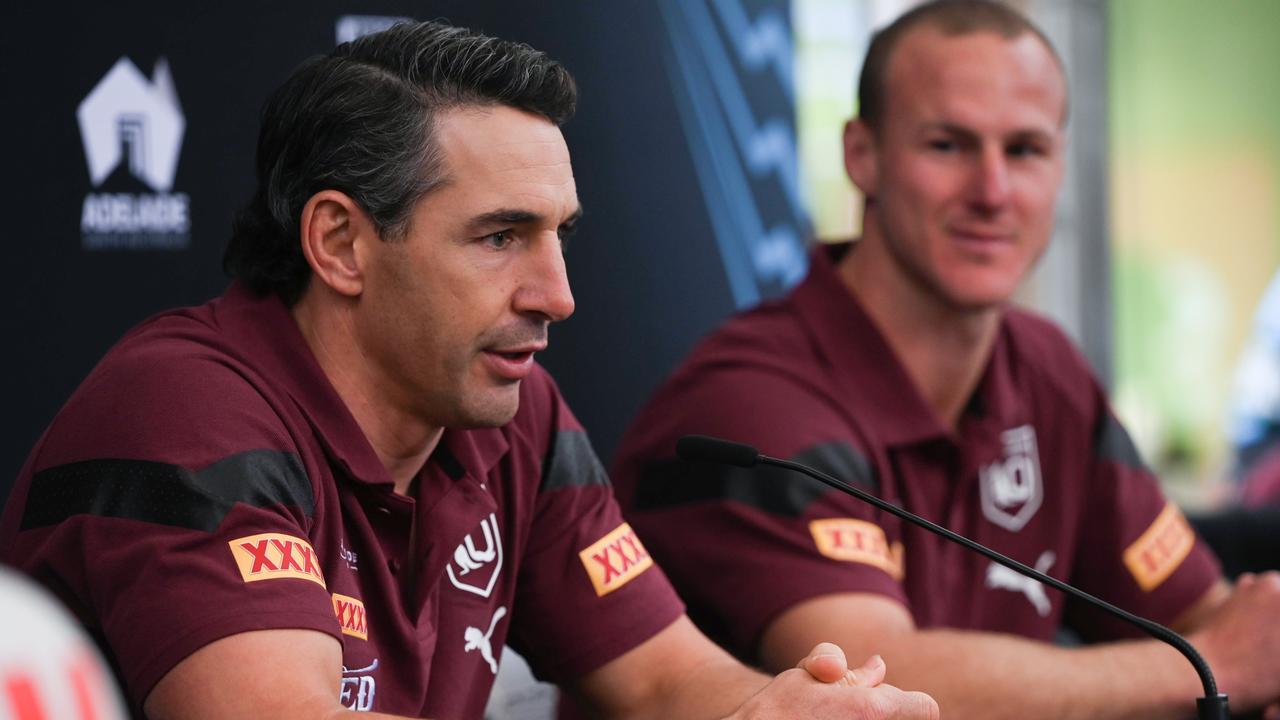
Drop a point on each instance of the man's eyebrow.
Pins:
(515, 216)
(505, 216)
(950, 129)
(1027, 133)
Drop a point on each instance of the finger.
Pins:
(870, 674)
(918, 706)
(900, 705)
(826, 663)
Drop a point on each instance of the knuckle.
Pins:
(928, 706)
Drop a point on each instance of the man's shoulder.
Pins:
(771, 334)
(171, 386)
(758, 379)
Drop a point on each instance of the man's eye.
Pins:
(943, 145)
(1024, 150)
(499, 240)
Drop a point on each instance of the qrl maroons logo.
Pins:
(1011, 488)
(132, 132)
(477, 560)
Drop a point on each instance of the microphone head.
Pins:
(709, 449)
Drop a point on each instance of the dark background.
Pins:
(645, 266)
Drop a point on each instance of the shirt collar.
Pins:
(867, 371)
(264, 330)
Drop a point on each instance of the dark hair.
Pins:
(950, 17)
(360, 120)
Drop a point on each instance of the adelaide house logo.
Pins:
(132, 132)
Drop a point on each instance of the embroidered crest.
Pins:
(477, 562)
(1011, 487)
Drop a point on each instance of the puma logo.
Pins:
(477, 640)
(1002, 578)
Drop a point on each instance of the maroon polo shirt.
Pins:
(207, 480)
(1039, 469)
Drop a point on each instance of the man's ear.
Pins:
(860, 156)
(334, 229)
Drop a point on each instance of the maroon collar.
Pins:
(867, 371)
(263, 330)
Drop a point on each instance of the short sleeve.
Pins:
(168, 507)
(745, 544)
(588, 590)
(1137, 549)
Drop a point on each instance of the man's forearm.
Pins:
(993, 676)
(715, 689)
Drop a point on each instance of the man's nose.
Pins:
(545, 290)
(990, 187)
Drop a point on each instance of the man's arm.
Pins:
(266, 674)
(275, 674)
(680, 673)
(993, 675)
(294, 675)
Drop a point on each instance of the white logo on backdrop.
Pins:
(350, 27)
(129, 120)
(144, 115)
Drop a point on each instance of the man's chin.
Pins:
(494, 411)
(978, 293)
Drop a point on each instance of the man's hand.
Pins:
(1241, 641)
(680, 673)
(822, 685)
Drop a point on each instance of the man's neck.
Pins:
(943, 349)
(402, 442)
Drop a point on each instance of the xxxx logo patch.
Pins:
(1161, 549)
(857, 541)
(351, 616)
(615, 559)
(272, 556)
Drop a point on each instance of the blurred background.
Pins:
(707, 155)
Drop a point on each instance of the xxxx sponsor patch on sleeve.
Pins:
(1160, 549)
(351, 616)
(274, 556)
(860, 541)
(615, 559)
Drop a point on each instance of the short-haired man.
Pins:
(344, 484)
(899, 365)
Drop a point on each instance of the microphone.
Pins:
(702, 448)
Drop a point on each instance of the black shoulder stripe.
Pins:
(843, 461)
(572, 462)
(1113, 443)
(670, 483)
(167, 494)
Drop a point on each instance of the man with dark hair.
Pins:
(345, 484)
(899, 365)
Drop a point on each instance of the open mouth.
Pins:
(510, 364)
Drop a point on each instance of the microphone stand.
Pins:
(1213, 706)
